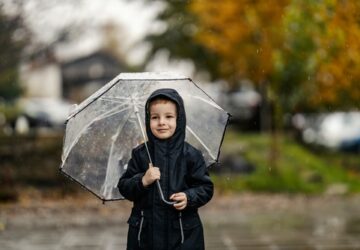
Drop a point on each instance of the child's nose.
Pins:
(161, 120)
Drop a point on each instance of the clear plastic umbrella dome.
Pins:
(102, 131)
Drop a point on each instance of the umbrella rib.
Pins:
(201, 142)
(105, 190)
(121, 101)
(136, 110)
(107, 114)
(122, 104)
(116, 98)
(112, 98)
(206, 101)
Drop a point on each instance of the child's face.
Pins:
(163, 118)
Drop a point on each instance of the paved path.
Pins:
(113, 238)
(245, 225)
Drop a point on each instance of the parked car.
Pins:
(338, 130)
(244, 106)
(44, 112)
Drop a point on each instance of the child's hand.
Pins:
(151, 175)
(181, 200)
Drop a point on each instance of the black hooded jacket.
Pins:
(152, 223)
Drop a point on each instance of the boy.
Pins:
(183, 177)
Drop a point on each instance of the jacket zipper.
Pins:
(181, 229)
(141, 225)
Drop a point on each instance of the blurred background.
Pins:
(288, 72)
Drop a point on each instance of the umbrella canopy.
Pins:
(102, 131)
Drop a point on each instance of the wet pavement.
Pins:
(112, 237)
(274, 223)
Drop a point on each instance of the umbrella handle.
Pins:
(162, 195)
(160, 189)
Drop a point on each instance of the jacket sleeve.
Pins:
(130, 183)
(201, 187)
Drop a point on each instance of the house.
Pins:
(50, 85)
(83, 76)
(40, 76)
(44, 76)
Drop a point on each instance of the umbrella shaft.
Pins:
(147, 150)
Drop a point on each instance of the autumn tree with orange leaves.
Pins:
(337, 77)
(305, 52)
(242, 33)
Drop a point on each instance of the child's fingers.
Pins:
(153, 171)
(152, 174)
(174, 196)
(181, 200)
(180, 205)
(178, 197)
(156, 173)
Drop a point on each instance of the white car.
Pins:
(48, 112)
(332, 130)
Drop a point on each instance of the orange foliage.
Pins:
(243, 33)
(338, 76)
(251, 37)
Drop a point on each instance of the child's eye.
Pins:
(169, 116)
(153, 117)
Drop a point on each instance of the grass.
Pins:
(298, 169)
(33, 162)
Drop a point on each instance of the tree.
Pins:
(304, 52)
(336, 81)
(12, 43)
(317, 68)
(243, 34)
(178, 39)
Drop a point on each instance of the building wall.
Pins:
(42, 81)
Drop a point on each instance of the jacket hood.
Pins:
(178, 137)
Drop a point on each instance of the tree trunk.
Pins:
(274, 152)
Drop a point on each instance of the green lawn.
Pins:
(33, 162)
(298, 169)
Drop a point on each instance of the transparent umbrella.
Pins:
(102, 131)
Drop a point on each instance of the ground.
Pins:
(242, 221)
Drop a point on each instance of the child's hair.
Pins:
(160, 99)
